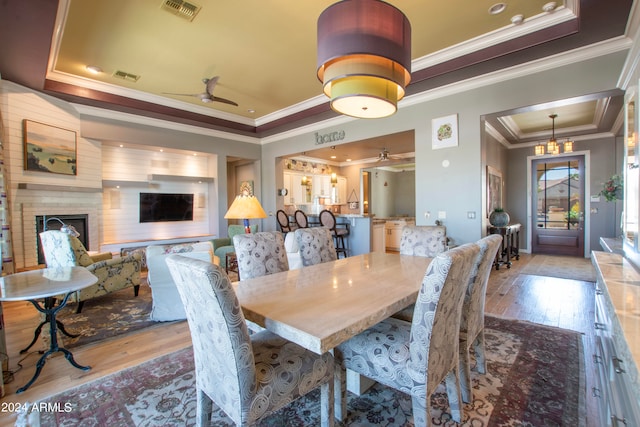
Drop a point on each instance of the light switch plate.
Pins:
(442, 215)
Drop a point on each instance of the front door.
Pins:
(558, 206)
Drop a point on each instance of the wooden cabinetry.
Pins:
(393, 233)
(378, 237)
(321, 185)
(296, 191)
(342, 191)
(616, 371)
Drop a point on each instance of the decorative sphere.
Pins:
(499, 219)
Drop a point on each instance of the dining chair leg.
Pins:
(204, 409)
(452, 381)
(465, 374)
(420, 409)
(481, 362)
(327, 396)
(340, 392)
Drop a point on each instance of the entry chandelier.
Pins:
(552, 146)
(364, 57)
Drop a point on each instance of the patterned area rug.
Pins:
(535, 378)
(563, 267)
(107, 316)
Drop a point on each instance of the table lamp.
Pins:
(245, 207)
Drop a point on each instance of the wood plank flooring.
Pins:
(563, 303)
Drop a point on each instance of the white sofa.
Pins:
(167, 305)
(293, 252)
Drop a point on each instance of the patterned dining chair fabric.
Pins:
(247, 376)
(315, 245)
(423, 240)
(416, 357)
(260, 254)
(472, 321)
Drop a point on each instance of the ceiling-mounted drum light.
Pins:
(364, 57)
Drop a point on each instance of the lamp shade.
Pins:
(364, 57)
(245, 207)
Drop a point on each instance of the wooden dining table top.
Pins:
(321, 306)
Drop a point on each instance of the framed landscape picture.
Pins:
(49, 148)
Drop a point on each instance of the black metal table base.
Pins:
(50, 310)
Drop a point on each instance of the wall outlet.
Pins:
(471, 215)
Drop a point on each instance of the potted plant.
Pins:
(499, 218)
(612, 189)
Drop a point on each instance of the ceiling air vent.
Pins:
(181, 8)
(126, 76)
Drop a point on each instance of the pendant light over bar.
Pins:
(364, 57)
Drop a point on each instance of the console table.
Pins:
(47, 284)
(510, 244)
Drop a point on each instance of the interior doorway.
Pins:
(558, 205)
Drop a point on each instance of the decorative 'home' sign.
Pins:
(329, 137)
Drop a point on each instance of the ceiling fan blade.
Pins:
(211, 84)
(184, 94)
(223, 100)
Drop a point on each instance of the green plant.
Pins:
(612, 188)
(498, 210)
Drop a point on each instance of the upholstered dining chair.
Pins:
(260, 254)
(416, 357)
(283, 221)
(64, 250)
(328, 220)
(247, 376)
(421, 240)
(472, 321)
(301, 219)
(315, 245)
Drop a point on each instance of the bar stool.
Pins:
(283, 221)
(328, 220)
(301, 219)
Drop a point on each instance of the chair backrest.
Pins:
(260, 254)
(283, 221)
(222, 350)
(436, 317)
(423, 240)
(327, 219)
(315, 245)
(301, 219)
(63, 250)
(472, 321)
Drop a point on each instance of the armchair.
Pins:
(224, 245)
(64, 250)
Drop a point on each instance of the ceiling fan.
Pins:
(207, 96)
(384, 155)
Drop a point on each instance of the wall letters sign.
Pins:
(329, 137)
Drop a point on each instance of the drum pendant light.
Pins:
(364, 57)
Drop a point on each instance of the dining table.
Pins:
(320, 306)
(43, 287)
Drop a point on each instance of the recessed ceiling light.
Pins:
(251, 111)
(348, 160)
(94, 69)
(497, 8)
(517, 19)
(549, 7)
(333, 157)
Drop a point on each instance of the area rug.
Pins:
(535, 378)
(563, 267)
(107, 316)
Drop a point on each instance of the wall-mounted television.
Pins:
(159, 207)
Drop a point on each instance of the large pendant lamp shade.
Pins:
(364, 57)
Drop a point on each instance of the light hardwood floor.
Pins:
(563, 303)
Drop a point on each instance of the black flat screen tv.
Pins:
(159, 207)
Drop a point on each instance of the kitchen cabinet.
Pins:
(378, 237)
(342, 191)
(296, 191)
(321, 185)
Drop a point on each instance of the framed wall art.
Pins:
(444, 132)
(49, 148)
(494, 189)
